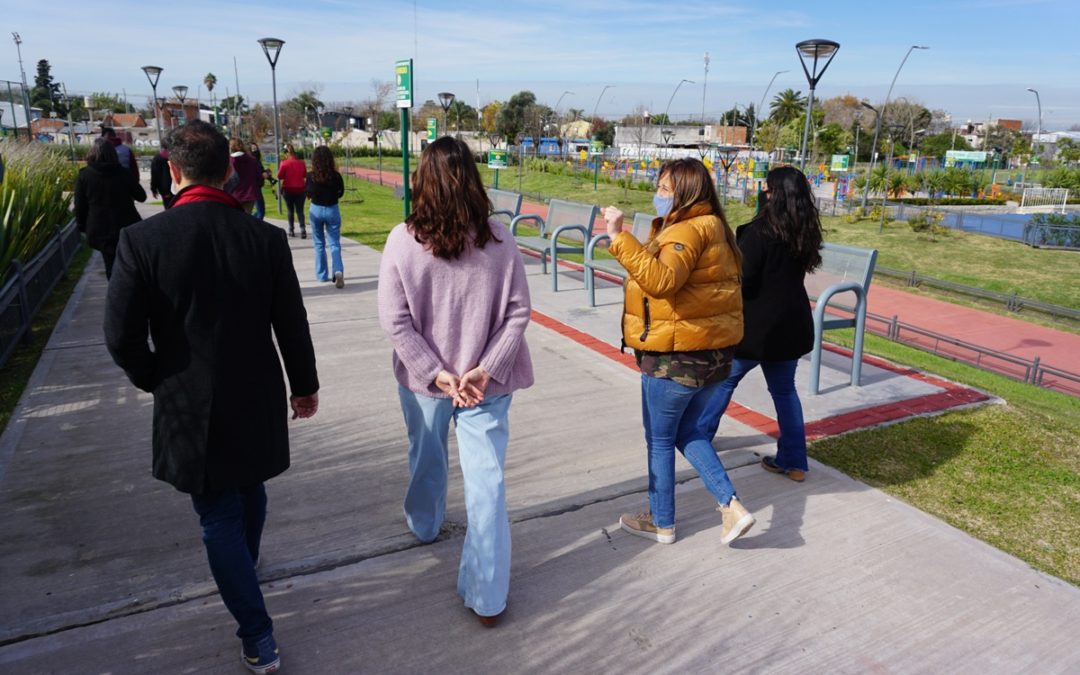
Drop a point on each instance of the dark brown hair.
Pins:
(791, 217)
(102, 151)
(450, 206)
(692, 185)
(322, 165)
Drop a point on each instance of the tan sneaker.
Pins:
(641, 524)
(737, 520)
(339, 280)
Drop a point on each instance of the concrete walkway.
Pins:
(103, 570)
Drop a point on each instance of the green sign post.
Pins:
(839, 163)
(403, 73)
(432, 129)
(497, 159)
(596, 151)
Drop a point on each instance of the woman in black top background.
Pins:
(105, 195)
(324, 188)
(779, 248)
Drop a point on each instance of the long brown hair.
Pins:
(450, 206)
(791, 216)
(322, 165)
(693, 185)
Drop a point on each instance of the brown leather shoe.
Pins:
(769, 464)
(489, 621)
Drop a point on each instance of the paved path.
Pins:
(1059, 349)
(103, 570)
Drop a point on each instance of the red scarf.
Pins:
(204, 193)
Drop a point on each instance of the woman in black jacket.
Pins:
(779, 248)
(105, 194)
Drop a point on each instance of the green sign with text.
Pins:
(497, 159)
(432, 129)
(403, 77)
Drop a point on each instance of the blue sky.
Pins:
(982, 56)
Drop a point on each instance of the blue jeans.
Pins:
(260, 205)
(780, 378)
(232, 523)
(482, 434)
(325, 222)
(675, 416)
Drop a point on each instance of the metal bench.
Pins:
(843, 269)
(640, 229)
(505, 204)
(570, 221)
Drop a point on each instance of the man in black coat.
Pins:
(160, 180)
(207, 284)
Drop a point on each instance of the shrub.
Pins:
(34, 198)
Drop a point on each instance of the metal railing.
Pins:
(29, 284)
(1012, 301)
(1030, 371)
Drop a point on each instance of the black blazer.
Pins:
(207, 284)
(777, 321)
(105, 196)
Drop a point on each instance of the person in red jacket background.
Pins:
(293, 176)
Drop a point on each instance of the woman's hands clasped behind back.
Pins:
(466, 391)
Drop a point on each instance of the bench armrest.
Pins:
(841, 287)
(571, 228)
(503, 212)
(590, 248)
(526, 216)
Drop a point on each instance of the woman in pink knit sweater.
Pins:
(454, 301)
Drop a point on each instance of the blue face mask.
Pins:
(662, 205)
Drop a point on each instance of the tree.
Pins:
(489, 117)
(210, 80)
(462, 116)
(786, 106)
(574, 114)
(660, 119)
(938, 144)
(46, 93)
(604, 131)
(512, 119)
(1068, 150)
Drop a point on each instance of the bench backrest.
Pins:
(570, 213)
(642, 226)
(504, 204)
(842, 263)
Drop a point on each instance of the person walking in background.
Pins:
(124, 154)
(293, 174)
(455, 303)
(244, 184)
(160, 178)
(325, 187)
(217, 290)
(264, 175)
(105, 196)
(780, 246)
(682, 315)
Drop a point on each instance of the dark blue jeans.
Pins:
(232, 523)
(780, 378)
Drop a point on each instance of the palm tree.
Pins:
(786, 106)
(210, 80)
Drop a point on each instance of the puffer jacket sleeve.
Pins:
(660, 275)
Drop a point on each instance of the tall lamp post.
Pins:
(592, 121)
(153, 74)
(181, 95)
(272, 48)
(761, 105)
(446, 99)
(815, 51)
(25, 90)
(562, 144)
(877, 125)
(668, 133)
(348, 109)
(1039, 132)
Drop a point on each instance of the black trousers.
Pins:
(294, 201)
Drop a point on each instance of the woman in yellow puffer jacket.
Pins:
(682, 315)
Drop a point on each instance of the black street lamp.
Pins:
(181, 95)
(153, 73)
(815, 51)
(272, 48)
(446, 99)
